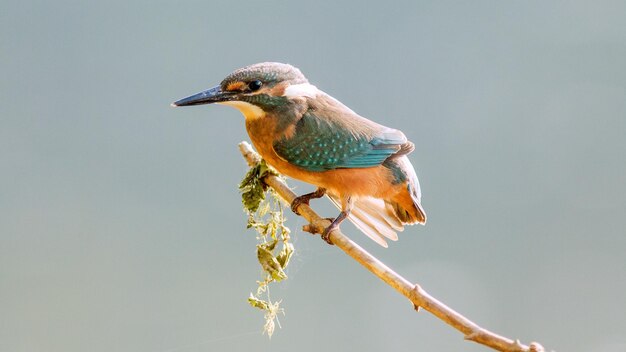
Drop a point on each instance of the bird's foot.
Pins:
(298, 202)
(326, 233)
(334, 224)
(305, 198)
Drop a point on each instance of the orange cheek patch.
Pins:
(235, 86)
(278, 89)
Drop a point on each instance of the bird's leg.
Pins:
(346, 206)
(305, 198)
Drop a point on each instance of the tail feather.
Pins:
(406, 203)
(374, 217)
(419, 216)
(411, 213)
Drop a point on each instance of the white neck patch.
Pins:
(249, 111)
(301, 90)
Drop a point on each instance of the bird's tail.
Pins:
(374, 217)
(406, 200)
(407, 207)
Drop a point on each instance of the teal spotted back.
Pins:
(320, 145)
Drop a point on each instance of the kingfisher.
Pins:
(308, 135)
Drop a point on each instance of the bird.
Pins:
(308, 135)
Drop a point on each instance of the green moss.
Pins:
(266, 217)
(252, 187)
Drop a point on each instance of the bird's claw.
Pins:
(298, 202)
(305, 198)
(326, 234)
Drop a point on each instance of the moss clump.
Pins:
(266, 217)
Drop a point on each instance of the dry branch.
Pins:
(417, 295)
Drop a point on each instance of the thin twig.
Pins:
(416, 294)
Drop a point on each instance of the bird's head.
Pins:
(256, 89)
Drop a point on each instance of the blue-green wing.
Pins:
(320, 144)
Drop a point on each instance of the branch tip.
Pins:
(310, 228)
(316, 227)
(535, 347)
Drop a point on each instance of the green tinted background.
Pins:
(121, 227)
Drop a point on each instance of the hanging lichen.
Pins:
(266, 217)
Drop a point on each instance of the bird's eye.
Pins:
(255, 85)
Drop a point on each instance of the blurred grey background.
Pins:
(121, 227)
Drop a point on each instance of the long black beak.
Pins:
(213, 95)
